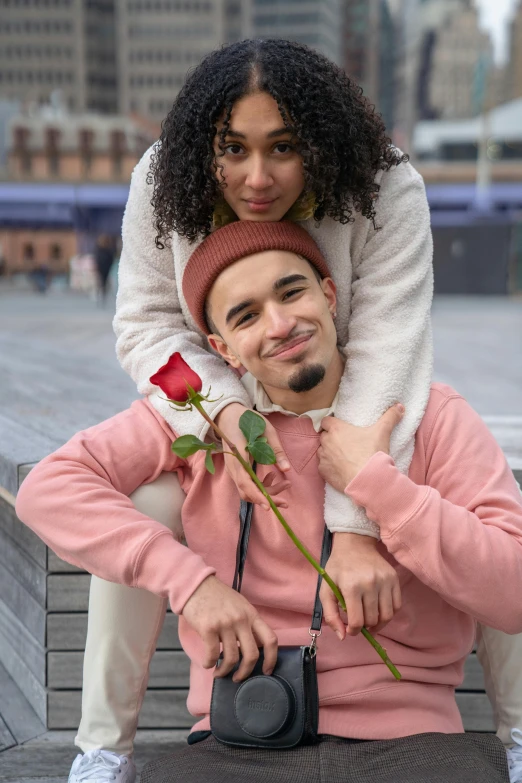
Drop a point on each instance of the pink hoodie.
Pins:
(452, 528)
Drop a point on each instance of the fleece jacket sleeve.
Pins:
(76, 501)
(389, 353)
(149, 323)
(461, 533)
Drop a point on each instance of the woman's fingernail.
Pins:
(339, 635)
(265, 508)
(284, 464)
(400, 408)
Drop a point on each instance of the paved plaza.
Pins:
(62, 344)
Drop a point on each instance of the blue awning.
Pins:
(57, 204)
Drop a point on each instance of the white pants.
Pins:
(125, 622)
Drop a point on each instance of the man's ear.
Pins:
(330, 294)
(219, 346)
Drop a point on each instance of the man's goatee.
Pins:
(306, 378)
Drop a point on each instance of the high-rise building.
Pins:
(514, 66)
(132, 56)
(317, 23)
(158, 41)
(417, 24)
(369, 52)
(458, 79)
(100, 73)
(109, 56)
(65, 45)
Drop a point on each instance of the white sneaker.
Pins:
(99, 766)
(514, 756)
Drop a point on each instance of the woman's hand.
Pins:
(228, 421)
(368, 583)
(345, 449)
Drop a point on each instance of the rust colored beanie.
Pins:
(233, 242)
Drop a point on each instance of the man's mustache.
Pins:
(286, 342)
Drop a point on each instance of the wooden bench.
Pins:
(43, 624)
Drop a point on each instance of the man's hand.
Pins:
(221, 616)
(345, 449)
(228, 421)
(368, 583)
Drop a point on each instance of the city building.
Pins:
(317, 23)
(110, 56)
(417, 23)
(66, 180)
(132, 56)
(514, 66)
(66, 45)
(52, 145)
(460, 64)
(369, 52)
(158, 41)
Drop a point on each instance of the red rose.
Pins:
(173, 378)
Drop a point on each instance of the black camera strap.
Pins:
(245, 520)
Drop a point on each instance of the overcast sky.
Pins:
(494, 16)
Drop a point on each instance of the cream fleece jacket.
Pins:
(384, 285)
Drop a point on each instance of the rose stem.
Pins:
(329, 581)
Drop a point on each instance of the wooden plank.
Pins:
(32, 689)
(24, 470)
(23, 605)
(162, 709)
(21, 534)
(47, 759)
(165, 709)
(8, 497)
(473, 675)
(476, 711)
(55, 565)
(168, 669)
(21, 444)
(23, 568)
(68, 592)
(66, 631)
(22, 642)
(20, 717)
(6, 738)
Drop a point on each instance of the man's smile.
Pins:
(291, 347)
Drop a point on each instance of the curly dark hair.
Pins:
(341, 138)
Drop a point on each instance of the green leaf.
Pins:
(187, 445)
(251, 425)
(262, 452)
(209, 462)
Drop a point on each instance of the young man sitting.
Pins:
(452, 530)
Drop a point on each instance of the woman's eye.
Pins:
(234, 149)
(283, 147)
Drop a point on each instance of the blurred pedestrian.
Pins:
(104, 259)
(41, 276)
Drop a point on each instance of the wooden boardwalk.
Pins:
(59, 374)
(29, 753)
